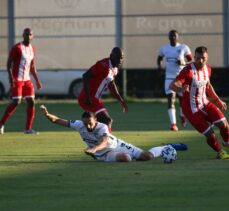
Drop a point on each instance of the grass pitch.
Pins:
(51, 172)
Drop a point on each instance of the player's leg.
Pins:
(28, 93)
(10, 109)
(182, 117)
(217, 118)
(172, 111)
(16, 93)
(171, 97)
(105, 118)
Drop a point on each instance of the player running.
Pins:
(194, 82)
(96, 79)
(176, 56)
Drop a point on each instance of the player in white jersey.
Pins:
(176, 55)
(102, 145)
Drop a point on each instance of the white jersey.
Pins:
(94, 138)
(172, 54)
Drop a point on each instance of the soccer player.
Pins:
(96, 79)
(102, 145)
(176, 55)
(21, 62)
(194, 82)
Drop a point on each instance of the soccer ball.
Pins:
(168, 154)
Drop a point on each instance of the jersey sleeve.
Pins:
(182, 76)
(75, 124)
(187, 52)
(95, 69)
(13, 53)
(103, 131)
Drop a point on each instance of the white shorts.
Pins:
(122, 147)
(166, 86)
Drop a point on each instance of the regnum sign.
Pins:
(182, 24)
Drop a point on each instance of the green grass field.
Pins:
(51, 172)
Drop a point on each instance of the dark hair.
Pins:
(201, 50)
(173, 32)
(87, 114)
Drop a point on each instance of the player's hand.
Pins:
(44, 109)
(124, 106)
(221, 104)
(185, 88)
(90, 151)
(39, 85)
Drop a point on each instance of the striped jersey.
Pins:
(103, 73)
(94, 138)
(22, 57)
(197, 80)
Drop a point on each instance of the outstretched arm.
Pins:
(114, 91)
(53, 118)
(212, 94)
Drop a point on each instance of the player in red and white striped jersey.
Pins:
(96, 79)
(194, 82)
(20, 64)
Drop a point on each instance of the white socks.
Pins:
(156, 151)
(172, 115)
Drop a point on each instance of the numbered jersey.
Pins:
(172, 54)
(94, 138)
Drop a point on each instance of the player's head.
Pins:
(116, 57)
(27, 35)
(201, 56)
(173, 37)
(89, 120)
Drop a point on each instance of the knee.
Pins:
(106, 120)
(16, 102)
(31, 102)
(145, 156)
(123, 157)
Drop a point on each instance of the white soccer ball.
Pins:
(168, 154)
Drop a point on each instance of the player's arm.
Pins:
(33, 71)
(159, 62)
(53, 118)
(86, 81)
(103, 145)
(9, 67)
(212, 94)
(177, 86)
(114, 91)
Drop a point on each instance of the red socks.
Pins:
(8, 113)
(30, 117)
(214, 144)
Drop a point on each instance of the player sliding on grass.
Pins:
(194, 82)
(101, 144)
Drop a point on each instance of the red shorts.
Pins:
(204, 118)
(22, 89)
(96, 107)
